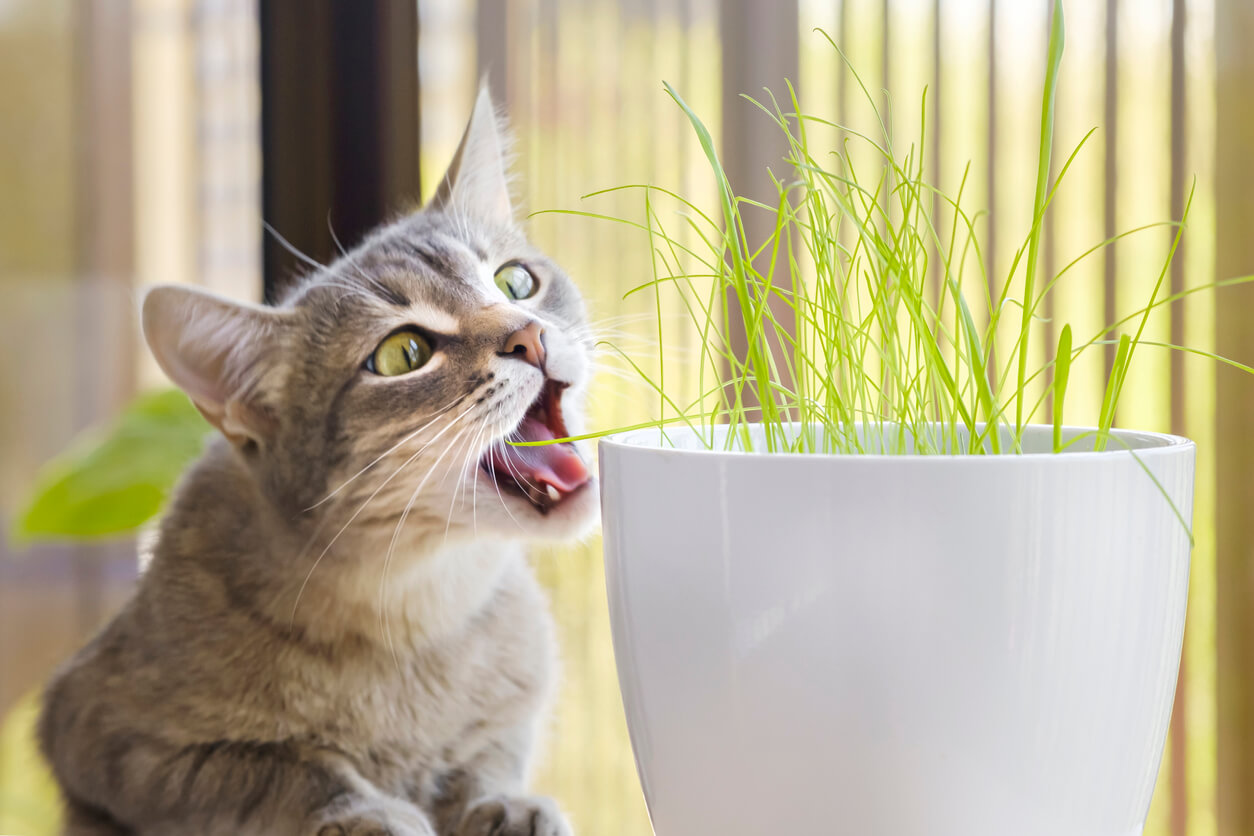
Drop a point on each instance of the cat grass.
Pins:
(871, 322)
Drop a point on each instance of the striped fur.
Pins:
(338, 633)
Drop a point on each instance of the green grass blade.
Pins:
(1062, 371)
(1048, 103)
(1106, 417)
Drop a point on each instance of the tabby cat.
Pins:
(338, 632)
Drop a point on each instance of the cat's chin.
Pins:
(571, 517)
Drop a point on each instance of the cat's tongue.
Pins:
(544, 465)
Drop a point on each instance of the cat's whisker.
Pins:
(470, 449)
(350, 290)
(363, 505)
(597, 339)
(291, 248)
(471, 469)
(381, 604)
(471, 475)
(614, 326)
(335, 238)
(384, 626)
(474, 475)
(518, 476)
(496, 484)
(622, 333)
(508, 435)
(448, 468)
(628, 375)
(625, 377)
(351, 260)
(463, 221)
(462, 453)
(620, 319)
(299, 557)
(390, 450)
(635, 345)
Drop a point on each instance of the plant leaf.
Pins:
(1062, 371)
(110, 482)
(1049, 97)
(1106, 418)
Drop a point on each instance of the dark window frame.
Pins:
(340, 125)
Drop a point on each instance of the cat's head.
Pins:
(379, 397)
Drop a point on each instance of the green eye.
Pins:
(400, 353)
(516, 282)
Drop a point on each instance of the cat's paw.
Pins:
(371, 826)
(382, 820)
(514, 816)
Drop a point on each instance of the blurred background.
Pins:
(145, 141)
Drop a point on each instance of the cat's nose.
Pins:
(526, 344)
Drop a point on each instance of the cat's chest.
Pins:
(431, 711)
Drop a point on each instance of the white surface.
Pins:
(897, 646)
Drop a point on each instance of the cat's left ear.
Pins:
(218, 352)
(477, 181)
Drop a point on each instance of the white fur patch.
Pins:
(433, 318)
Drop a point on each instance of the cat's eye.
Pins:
(516, 282)
(401, 353)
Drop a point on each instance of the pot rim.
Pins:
(1144, 444)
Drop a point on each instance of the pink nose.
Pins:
(526, 344)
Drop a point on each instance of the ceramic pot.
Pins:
(897, 645)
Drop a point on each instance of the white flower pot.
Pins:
(897, 645)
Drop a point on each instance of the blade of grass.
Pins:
(1053, 63)
(1062, 372)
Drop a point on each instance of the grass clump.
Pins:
(868, 323)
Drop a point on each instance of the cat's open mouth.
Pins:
(546, 473)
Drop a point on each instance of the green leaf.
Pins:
(112, 481)
(1106, 418)
(1048, 101)
(1062, 371)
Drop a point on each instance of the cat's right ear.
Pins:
(217, 351)
(477, 180)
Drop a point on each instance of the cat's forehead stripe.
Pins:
(429, 254)
(389, 294)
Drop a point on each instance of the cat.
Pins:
(338, 634)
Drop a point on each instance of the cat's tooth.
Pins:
(554, 493)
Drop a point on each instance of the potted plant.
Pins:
(918, 645)
(853, 587)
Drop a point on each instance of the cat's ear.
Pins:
(477, 181)
(217, 351)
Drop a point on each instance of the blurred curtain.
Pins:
(1235, 407)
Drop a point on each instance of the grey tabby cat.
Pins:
(338, 633)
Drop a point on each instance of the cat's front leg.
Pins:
(487, 797)
(123, 777)
(514, 816)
